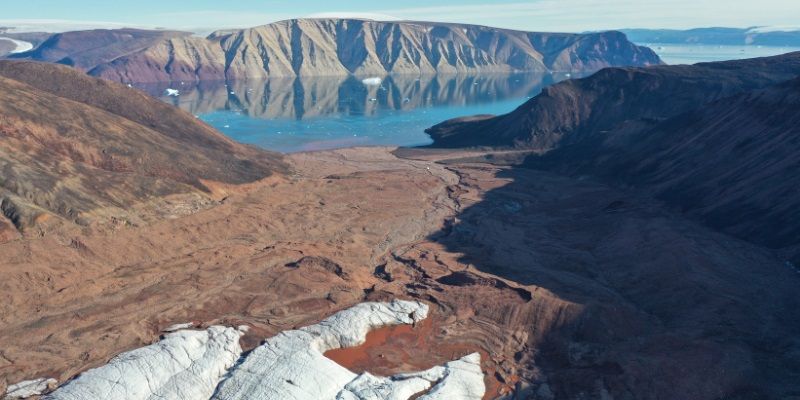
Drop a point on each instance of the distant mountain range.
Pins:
(717, 141)
(717, 36)
(333, 47)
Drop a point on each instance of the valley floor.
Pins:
(567, 288)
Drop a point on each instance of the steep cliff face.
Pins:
(185, 58)
(339, 47)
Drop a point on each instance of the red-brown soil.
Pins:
(535, 271)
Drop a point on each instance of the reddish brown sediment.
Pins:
(529, 268)
(405, 348)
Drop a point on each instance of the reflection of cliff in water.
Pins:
(299, 98)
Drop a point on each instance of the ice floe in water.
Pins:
(203, 365)
(372, 81)
(30, 388)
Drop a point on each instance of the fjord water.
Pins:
(306, 114)
(695, 53)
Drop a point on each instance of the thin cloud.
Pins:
(582, 15)
(355, 15)
(63, 25)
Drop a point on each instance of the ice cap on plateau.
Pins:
(20, 46)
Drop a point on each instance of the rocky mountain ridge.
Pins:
(717, 141)
(334, 47)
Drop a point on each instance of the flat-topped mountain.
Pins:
(88, 150)
(335, 47)
(718, 141)
(761, 36)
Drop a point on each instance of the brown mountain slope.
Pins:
(339, 47)
(708, 140)
(734, 164)
(86, 49)
(612, 99)
(86, 149)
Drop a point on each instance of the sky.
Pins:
(531, 15)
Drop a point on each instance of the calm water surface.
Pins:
(290, 115)
(303, 114)
(692, 54)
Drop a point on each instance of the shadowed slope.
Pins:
(712, 140)
(614, 100)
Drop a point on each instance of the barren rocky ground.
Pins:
(568, 289)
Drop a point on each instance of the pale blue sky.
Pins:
(541, 15)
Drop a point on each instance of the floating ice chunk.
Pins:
(372, 81)
(184, 365)
(31, 388)
(172, 92)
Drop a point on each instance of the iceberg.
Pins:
(376, 81)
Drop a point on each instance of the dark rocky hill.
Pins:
(717, 141)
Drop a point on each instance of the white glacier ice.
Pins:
(21, 46)
(183, 365)
(203, 365)
(292, 365)
(30, 388)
